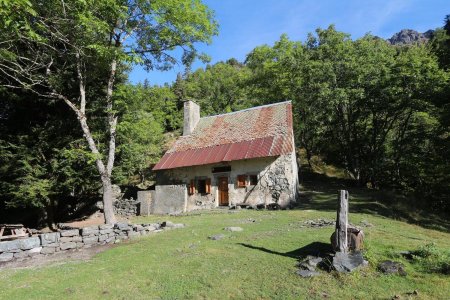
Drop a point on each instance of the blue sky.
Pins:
(245, 24)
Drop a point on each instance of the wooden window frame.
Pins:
(194, 187)
(191, 187)
(241, 181)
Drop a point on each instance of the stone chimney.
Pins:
(191, 116)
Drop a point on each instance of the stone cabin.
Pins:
(243, 158)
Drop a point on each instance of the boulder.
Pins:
(150, 228)
(29, 243)
(392, 267)
(66, 239)
(69, 245)
(355, 239)
(307, 273)
(138, 227)
(310, 263)
(106, 231)
(49, 238)
(48, 250)
(122, 226)
(133, 234)
(6, 256)
(167, 224)
(89, 240)
(346, 262)
(106, 226)
(91, 230)
(71, 232)
(9, 246)
(21, 254)
(102, 238)
(233, 229)
(34, 251)
(216, 237)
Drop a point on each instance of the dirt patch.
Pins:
(95, 219)
(57, 258)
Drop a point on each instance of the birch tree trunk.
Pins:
(105, 172)
(108, 208)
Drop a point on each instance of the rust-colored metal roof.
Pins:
(261, 131)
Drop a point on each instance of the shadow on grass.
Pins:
(314, 249)
(320, 193)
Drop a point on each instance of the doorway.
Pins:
(223, 191)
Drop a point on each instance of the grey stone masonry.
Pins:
(71, 232)
(73, 239)
(49, 238)
(29, 243)
(92, 230)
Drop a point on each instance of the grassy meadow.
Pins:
(257, 263)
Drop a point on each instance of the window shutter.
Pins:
(241, 180)
(192, 187)
(208, 186)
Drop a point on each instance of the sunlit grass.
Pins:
(258, 263)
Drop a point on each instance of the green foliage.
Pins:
(145, 112)
(219, 88)
(432, 259)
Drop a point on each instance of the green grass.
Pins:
(258, 263)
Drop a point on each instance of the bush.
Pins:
(431, 259)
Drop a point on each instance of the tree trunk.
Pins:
(108, 209)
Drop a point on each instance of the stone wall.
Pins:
(126, 207)
(170, 199)
(72, 239)
(145, 200)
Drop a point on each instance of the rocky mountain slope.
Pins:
(409, 36)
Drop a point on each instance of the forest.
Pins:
(72, 124)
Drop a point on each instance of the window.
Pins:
(253, 179)
(241, 180)
(201, 186)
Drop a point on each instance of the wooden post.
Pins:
(342, 221)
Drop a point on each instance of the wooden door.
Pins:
(223, 191)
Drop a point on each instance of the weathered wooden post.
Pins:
(342, 221)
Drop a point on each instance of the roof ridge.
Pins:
(247, 109)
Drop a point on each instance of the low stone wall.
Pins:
(65, 240)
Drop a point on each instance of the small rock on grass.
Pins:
(233, 229)
(347, 262)
(216, 237)
(307, 273)
(392, 267)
